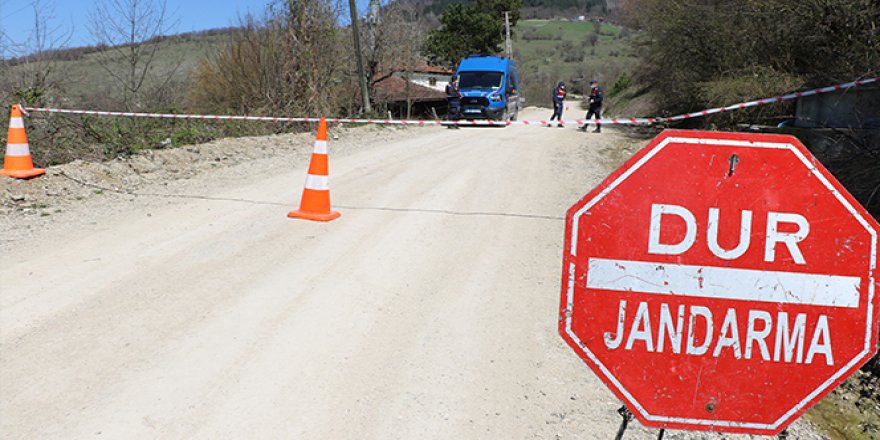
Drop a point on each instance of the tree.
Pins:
(4, 52)
(36, 76)
(359, 56)
(3, 44)
(396, 40)
(33, 77)
(711, 53)
(131, 30)
(477, 27)
(291, 61)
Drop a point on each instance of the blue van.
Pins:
(490, 86)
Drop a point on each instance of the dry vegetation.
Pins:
(698, 53)
(282, 63)
(293, 59)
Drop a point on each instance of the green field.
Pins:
(86, 82)
(79, 78)
(548, 51)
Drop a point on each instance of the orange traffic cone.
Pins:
(18, 162)
(315, 203)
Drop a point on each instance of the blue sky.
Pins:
(71, 17)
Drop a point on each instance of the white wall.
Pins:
(424, 79)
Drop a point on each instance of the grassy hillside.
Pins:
(533, 8)
(79, 78)
(548, 51)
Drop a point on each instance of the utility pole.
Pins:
(508, 45)
(355, 35)
(371, 51)
(373, 21)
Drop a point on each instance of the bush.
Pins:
(530, 35)
(570, 52)
(694, 49)
(192, 134)
(622, 83)
(284, 63)
(537, 88)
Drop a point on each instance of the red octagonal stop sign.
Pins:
(720, 281)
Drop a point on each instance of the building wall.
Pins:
(436, 81)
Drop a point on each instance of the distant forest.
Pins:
(532, 8)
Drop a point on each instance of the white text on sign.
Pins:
(697, 330)
(776, 339)
(773, 235)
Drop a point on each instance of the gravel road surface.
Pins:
(427, 311)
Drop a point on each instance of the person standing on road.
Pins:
(558, 103)
(453, 98)
(595, 100)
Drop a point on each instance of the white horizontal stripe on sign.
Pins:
(320, 147)
(320, 183)
(16, 123)
(724, 283)
(18, 150)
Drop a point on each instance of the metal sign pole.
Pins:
(627, 416)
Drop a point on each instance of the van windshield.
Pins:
(480, 80)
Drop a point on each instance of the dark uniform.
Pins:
(596, 97)
(558, 103)
(453, 97)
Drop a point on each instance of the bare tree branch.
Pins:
(3, 41)
(132, 29)
(292, 61)
(36, 66)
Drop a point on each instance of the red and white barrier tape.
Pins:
(420, 122)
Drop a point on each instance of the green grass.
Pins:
(840, 422)
(564, 53)
(569, 30)
(80, 80)
(86, 82)
(850, 411)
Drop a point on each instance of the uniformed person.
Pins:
(558, 103)
(595, 101)
(453, 98)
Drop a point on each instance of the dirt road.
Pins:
(427, 311)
